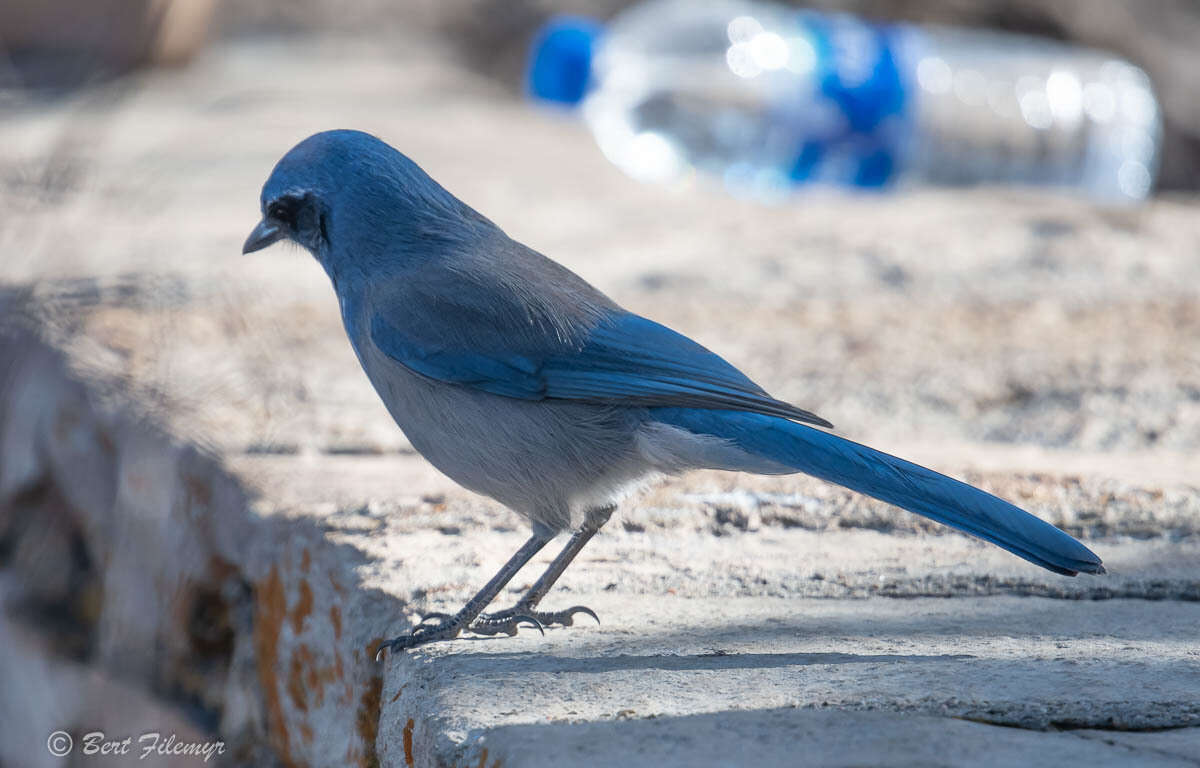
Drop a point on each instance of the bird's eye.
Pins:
(279, 212)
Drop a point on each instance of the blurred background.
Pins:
(60, 45)
(964, 231)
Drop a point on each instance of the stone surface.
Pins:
(797, 737)
(203, 504)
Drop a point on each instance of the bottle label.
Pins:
(858, 83)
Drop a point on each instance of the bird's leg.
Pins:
(509, 619)
(448, 627)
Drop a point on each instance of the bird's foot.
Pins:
(432, 628)
(508, 620)
(435, 627)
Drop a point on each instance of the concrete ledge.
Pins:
(700, 681)
(789, 737)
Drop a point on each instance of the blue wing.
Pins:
(623, 359)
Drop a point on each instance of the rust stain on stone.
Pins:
(305, 561)
(304, 605)
(270, 613)
(198, 489)
(408, 753)
(335, 618)
(400, 691)
(483, 758)
(372, 648)
(313, 680)
(368, 720)
(306, 733)
(295, 681)
(220, 568)
(306, 679)
(336, 586)
(316, 679)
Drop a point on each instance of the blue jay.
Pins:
(522, 382)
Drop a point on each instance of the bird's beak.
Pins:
(263, 235)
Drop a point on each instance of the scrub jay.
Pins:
(520, 381)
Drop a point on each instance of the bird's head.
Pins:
(356, 204)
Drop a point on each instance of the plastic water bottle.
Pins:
(770, 97)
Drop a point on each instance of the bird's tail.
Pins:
(893, 480)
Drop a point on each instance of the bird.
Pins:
(520, 381)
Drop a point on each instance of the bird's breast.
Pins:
(544, 459)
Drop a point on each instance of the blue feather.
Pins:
(893, 480)
(624, 360)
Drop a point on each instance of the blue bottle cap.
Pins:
(560, 59)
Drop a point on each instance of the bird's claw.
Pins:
(509, 620)
(443, 626)
(422, 633)
(566, 616)
(507, 624)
